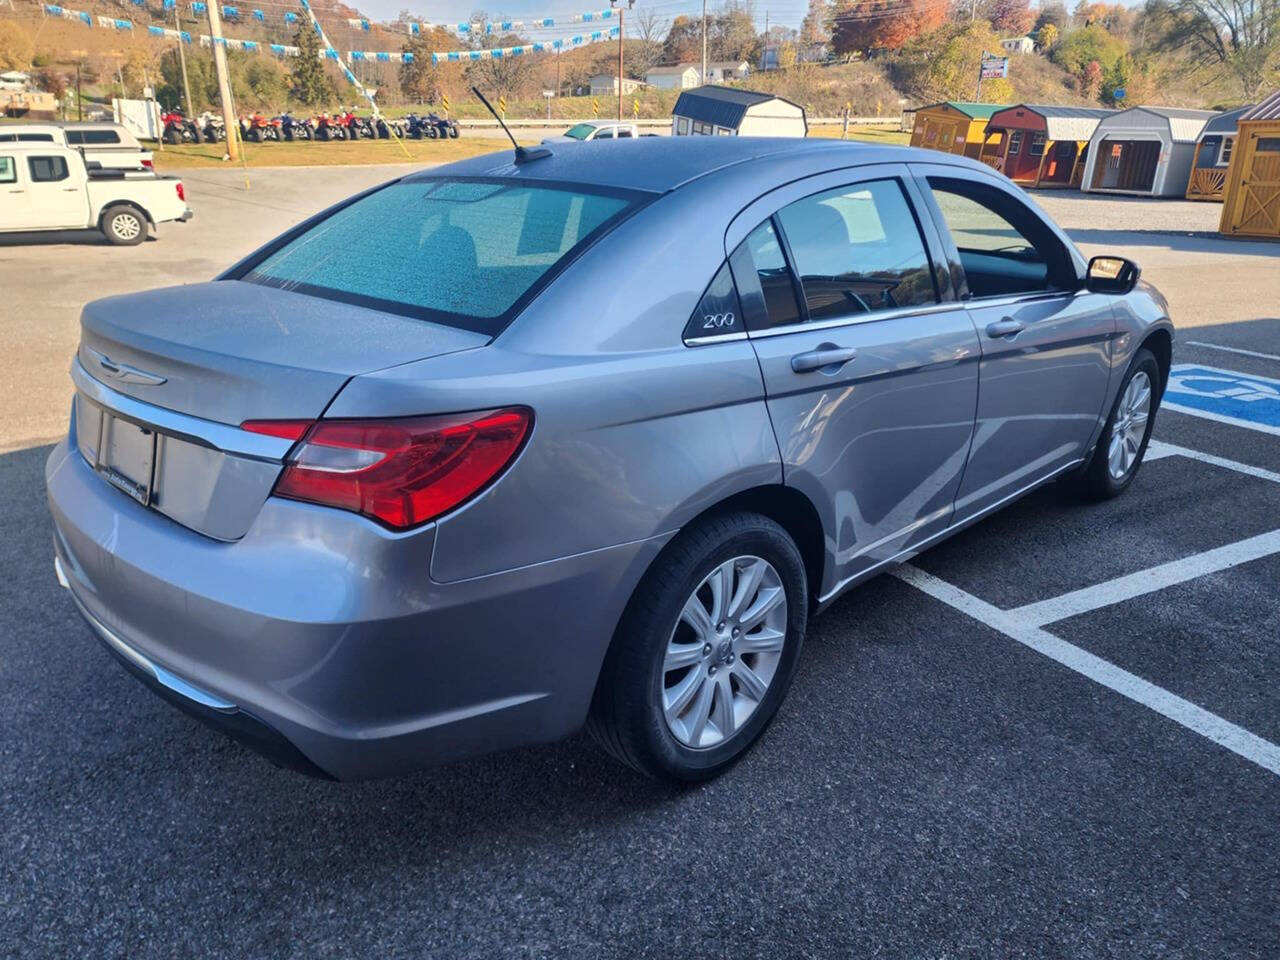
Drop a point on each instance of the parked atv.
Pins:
(257, 129)
(328, 128)
(441, 127)
(295, 128)
(178, 129)
(212, 127)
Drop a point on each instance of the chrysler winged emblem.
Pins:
(123, 372)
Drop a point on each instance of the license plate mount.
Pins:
(126, 457)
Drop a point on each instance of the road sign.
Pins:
(993, 68)
(1118, 93)
(595, 107)
(502, 105)
(635, 108)
(1226, 396)
(444, 103)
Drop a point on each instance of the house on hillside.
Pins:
(1146, 151)
(725, 71)
(683, 76)
(14, 81)
(713, 111)
(1019, 45)
(606, 85)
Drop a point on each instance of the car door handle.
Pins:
(826, 355)
(1005, 327)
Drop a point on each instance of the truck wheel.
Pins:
(124, 226)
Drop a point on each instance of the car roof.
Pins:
(660, 164)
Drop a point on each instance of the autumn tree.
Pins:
(815, 29)
(943, 64)
(16, 46)
(1091, 80)
(861, 26)
(422, 81)
(1047, 36)
(684, 41)
(1239, 39)
(1011, 17)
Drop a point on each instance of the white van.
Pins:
(109, 145)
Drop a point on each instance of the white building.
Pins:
(14, 80)
(680, 77)
(606, 85)
(725, 71)
(1019, 45)
(727, 112)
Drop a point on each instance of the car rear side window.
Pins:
(718, 313)
(47, 169)
(469, 253)
(765, 280)
(92, 138)
(858, 250)
(8, 170)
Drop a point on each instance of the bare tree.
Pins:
(649, 30)
(1241, 37)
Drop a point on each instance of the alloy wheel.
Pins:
(125, 226)
(1130, 425)
(724, 651)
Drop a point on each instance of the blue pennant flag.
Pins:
(259, 15)
(290, 17)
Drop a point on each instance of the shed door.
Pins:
(1257, 204)
(1127, 165)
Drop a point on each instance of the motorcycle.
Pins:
(294, 128)
(178, 129)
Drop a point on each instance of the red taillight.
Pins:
(400, 472)
(182, 194)
(285, 429)
(148, 164)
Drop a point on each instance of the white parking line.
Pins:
(1243, 353)
(1148, 581)
(1163, 450)
(1183, 712)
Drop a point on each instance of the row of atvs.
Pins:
(257, 128)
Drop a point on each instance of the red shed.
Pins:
(1041, 145)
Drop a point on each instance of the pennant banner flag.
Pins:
(545, 46)
(509, 26)
(53, 10)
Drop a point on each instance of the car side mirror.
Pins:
(1112, 275)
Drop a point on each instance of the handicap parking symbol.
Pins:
(1225, 395)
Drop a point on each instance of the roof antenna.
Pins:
(523, 155)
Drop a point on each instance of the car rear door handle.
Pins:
(826, 355)
(1005, 327)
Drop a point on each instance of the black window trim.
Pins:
(491, 327)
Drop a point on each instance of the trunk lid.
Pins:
(230, 351)
(165, 378)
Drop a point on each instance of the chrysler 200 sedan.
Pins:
(491, 452)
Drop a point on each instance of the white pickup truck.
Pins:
(46, 187)
(597, 130)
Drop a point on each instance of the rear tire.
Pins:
(124, 226)
(1123, 443)
(682, 702)
(172, 136)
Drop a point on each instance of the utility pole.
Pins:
(704, 41)
(622, 35)
(182, 60)
(766, 40)
(224, 79)
(79, 102)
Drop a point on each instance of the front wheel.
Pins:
(1124, 439)
(453, 133)
(705, 651)
(124, 226)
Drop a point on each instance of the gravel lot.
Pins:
(943, 781)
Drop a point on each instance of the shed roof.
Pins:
(676, 70)
(1225, 122)
(723, 106)
(1182, 124)
(1062, 123)
(1268, 109)
(975, 111)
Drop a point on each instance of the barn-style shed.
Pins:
(1251, 201)
(1041, 145)
(1146, 151)
(953, 126)
(1213, 156)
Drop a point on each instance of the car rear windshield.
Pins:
(469, 253)
(580, 131)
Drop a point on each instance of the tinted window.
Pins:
(8, 171)
(456, 251)
(760, 267)
(579, 131)
(90, 138)
(47, 169)
(26, 137)
(1004, 247)
(857, 250)
(718, 312)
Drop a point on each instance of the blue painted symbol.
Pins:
(1118, 93)
(1225, 396)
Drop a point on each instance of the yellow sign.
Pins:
(595, 107)
(635, 108)
(444, 102)
(502, 106)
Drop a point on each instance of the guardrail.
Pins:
(666, 121)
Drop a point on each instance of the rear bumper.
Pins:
(187, 214)
(319, 638)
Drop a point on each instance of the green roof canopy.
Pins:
(974, 111)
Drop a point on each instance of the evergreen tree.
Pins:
(310, 83)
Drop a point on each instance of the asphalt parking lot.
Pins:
(1054, 735)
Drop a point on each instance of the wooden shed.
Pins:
(1040, 145)
(1251, 201)
(718, 111)
(1213, 156)
(953, 127)
(1146, 151)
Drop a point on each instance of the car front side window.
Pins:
(47, 169)
(1004, 247)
